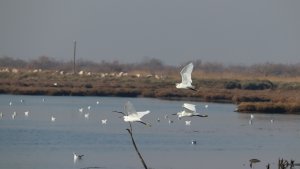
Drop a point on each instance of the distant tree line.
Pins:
(150, 65)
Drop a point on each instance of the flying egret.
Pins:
(186, 79)
(132, 115)
(189, 111)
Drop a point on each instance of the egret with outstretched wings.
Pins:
(186, 78)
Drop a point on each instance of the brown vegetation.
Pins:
(276, 91)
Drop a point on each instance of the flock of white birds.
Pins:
(131, 115)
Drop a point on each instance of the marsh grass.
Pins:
(259, 93)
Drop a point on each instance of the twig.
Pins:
(135, 147)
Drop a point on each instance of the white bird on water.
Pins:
(77, 157)
(188, 123)
(87, 115)
(189, 111)
(13, 116)
(53, 118)
(186, 78)
(26, 113)
(104, 121)
(131, 115)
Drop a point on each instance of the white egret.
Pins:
(189, 111)
(132, 115)
(26, 113)
(186, 79)
(80, 110)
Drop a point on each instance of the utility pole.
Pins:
(74, 59)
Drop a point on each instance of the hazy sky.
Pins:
(174, 31)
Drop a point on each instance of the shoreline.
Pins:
(256, 96)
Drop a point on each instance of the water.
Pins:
(224, 139)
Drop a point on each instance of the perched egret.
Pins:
(189, 111)
(186, 79)
(132, 115)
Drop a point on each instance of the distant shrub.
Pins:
(232, 85)
(257, 85)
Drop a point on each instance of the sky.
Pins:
(174, 31)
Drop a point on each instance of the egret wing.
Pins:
(186, 74)
(143, 113)
(189, 107)
(129, 109)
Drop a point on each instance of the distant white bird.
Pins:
(189, 111)
(188, 123)
(158, 120)
(251, 116)
(10, 103)
(53, 118)
(80, 110)
(97, 102)
(104, 121)
(272, 121)
(206, 106)
(77, 157)
(166, 116)
(13, 116)
(186, 78)
(1, 115)
(89, 107)
(194, 142)
(170, 121)
(131, 115)
(87, 115)
(26, 113)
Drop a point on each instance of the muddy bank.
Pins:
(263, 96)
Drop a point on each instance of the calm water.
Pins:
(224, 139)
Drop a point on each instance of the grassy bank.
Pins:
(260, 94)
